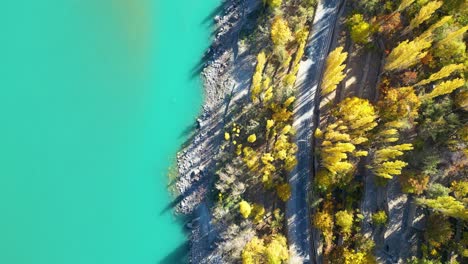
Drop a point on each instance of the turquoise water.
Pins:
(94, 99)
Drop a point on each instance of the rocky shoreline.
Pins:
(225, 72)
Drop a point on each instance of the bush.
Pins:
(245, 209)
(379, 218)
(344, 219)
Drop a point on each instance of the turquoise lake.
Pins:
(95, 100)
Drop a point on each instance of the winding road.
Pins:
(305, 121)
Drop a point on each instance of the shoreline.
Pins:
(225, 76)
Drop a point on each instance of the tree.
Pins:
(444, 72)
(399, 104)
(460, 189)
(344, 219)
(274, 3)
(450, 46)
(357, 114)
(437, 120)
(446, 205)
(323, 221)
(407, 54)
(438, 231)
(355, 257)
(404, 4)
(379, 218)
(252, 138)
(360, 29)
(424, 14)
(428, 33)
(245, 209)
(389, 168)
(257, 77)
(258, 211)
(283, 191)
(353, 118)
(333, 70)
(453, 35)
(253, 251)
(446, 87)
(461, 100)
(280, 32)
(276, 251)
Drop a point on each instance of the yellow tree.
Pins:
(384, 164)
(256, 87)
(453, 35)
(428, 33)
(404, 4)
(353, 119)
(407, 54)
(283, 191)
(446, 87)
(399, 104)
(245, 209)
(280, 32)
(276, 251)
(424, 14)
(274, 3)
(253, 251)
(357, 114)
(446, 205)
(344, 219)
(446, 71)
(333, 70)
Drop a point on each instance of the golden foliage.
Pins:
(334, 67)
(344, 219)
(256, 86)
(245, 209)
(399, 104)
(257, 252)
(446, 87)
(407, 54)
(283, 191)
(280, 32)
(252, 138)
(425, 13)
(444, 72)
(404, 4)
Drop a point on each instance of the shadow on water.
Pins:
(209, 18)
(188, 131)
(178, 256)
(209, 21)
(172, 204)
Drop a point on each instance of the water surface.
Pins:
(94, 99)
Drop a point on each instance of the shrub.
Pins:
(245, 209)
(379, 218)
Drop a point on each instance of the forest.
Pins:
(389, 147)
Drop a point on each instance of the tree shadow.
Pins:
(178, 256)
